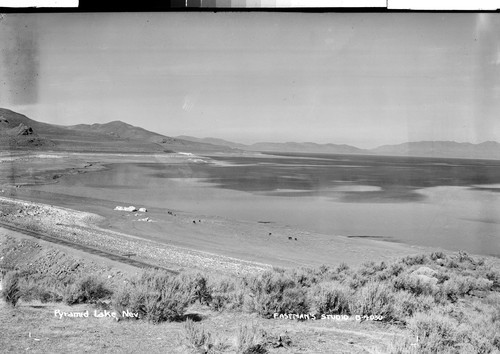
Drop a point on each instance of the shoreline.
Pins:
(186, 249)
(262, 243)
(81, 228)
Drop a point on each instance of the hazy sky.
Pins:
(359, 79)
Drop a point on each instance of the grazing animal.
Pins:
(289, 237)
(270, 234)
(194, 221)
(295, 238)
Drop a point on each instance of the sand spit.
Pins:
(80, 228)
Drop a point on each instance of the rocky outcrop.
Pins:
(21, 129)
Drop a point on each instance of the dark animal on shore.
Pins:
(194, 221)
(289, 237)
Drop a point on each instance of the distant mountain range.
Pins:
(486, 150)
(20, 132)
(283, 147)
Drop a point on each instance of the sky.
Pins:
(363, 79)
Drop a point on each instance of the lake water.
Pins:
(448, 203)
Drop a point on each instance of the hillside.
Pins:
(214, 141)
(19, 132)
(121, 130)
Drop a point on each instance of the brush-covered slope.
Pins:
(20, 132)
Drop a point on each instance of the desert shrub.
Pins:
(407, 304)
(374, 299)
(405, 345)
(220, 291)
(11, 291)
(89, 289)
(414, 285)
(196, 285)
(436, 333)
(198, 338)
(44, 289)
(304, 276)
(294, 300)
(131, 297)
(472, 340)
(356, 281)
(367, 269)
(156, 296)
(418, 259)
(494, 276)
(437, 255)
(390, 272)
(270, 293)
(492, 301)
(201, 291)
(226, 294)
(330, 298)
(340, 274)
(153, 279)
(343, 267)
(480, 321)
(249, 339)
(219, 301)
(323, 269)
(121, 297)
(165, 306)
(457, 286)
(451, 263)
(463, 257)
(442, 276)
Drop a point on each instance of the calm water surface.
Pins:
(448, 203)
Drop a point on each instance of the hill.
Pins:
(214, 141)
(121, 130)
(20, 132)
